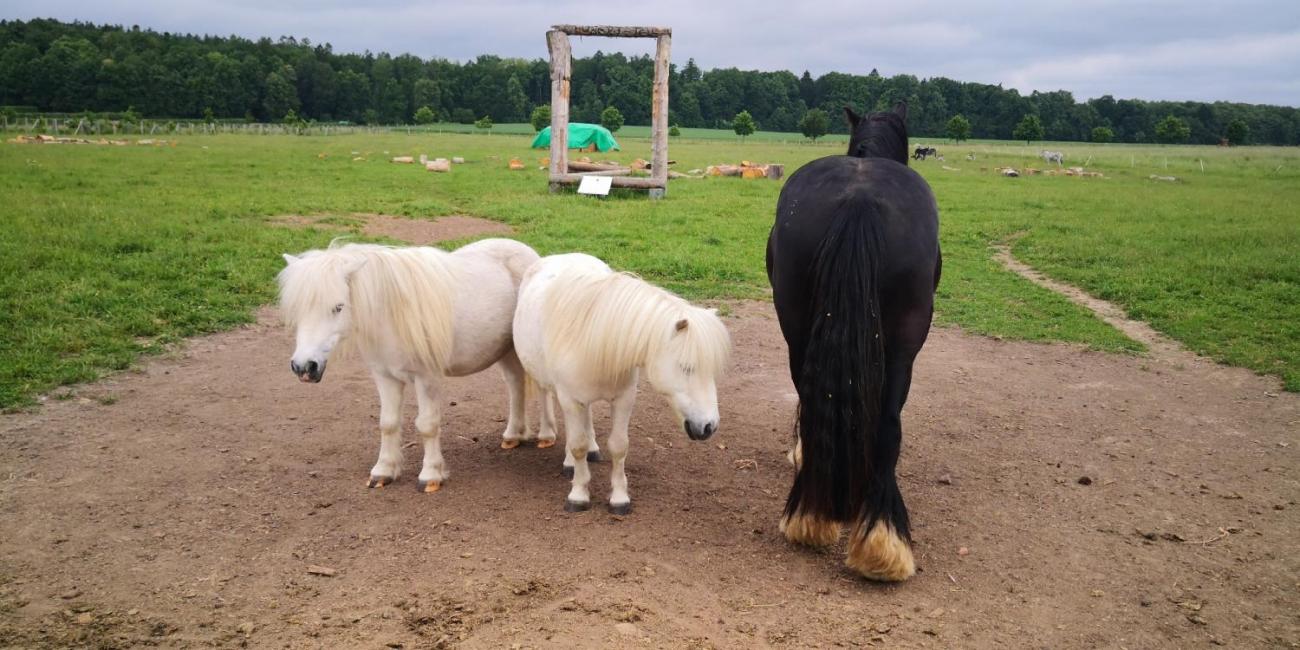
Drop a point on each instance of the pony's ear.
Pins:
(900, 109)
(853, 117)
(681, 324)
(352, 268)
(289, 259)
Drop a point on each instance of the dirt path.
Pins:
(183, 506)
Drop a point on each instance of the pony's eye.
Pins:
(687, 370)
(338, 308)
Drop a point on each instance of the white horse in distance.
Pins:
(584, 333)
(1052, 157)
(414, 315)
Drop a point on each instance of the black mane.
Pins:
(879, 135)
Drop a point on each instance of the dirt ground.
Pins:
(1060, 498)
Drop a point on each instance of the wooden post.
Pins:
(561, 71)
(659, 118)
(557, 42)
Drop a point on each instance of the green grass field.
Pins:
(107, 253)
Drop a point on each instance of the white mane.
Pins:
(399, 296)
(615, 322)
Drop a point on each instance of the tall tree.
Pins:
(958, 128)
(1030, 129)
(1238, 132)
(1172, 130)
(611, 119)
(814, 124)
(743, 124)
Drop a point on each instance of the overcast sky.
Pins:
(1248, 50)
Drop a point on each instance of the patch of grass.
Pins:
(107, 253)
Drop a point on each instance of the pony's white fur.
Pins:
(398, 295)
(585, 332)
(414, 315)
(619, 322)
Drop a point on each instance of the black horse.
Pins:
(854, 261)
(922, 153)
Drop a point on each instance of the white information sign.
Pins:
(597, 185)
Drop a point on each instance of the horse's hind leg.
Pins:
(428, 421)
(389, 465)
(516, 424)
(880, 543)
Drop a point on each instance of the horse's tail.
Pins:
(840, 387)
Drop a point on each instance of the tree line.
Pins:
(53, 66)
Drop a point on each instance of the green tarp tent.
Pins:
(581, 136)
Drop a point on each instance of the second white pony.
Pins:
(415, 315)
(584, 332)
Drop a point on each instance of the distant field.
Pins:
(110, 252)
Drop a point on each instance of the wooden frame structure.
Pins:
(557, 41)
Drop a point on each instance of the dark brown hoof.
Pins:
(594, 457)
(621, 509)
(568, 472)
(576, 506)
(379, 481)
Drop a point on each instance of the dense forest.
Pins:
(52, 66)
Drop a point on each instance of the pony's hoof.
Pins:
(576, 506)
(594, 457)
(568, 472)
(621, 509)
(509, 444)
(378, 481)
(546, 444)
(429, 487)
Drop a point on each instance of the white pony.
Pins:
(583, 332)
(414, 315)
(1052, 157)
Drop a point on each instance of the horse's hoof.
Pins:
(546, 444)
(881, 554)
(594, 457)
(568, 472)
(379, 481)
(576, 506)
(509, 444)
(621, 509)
(429, 487)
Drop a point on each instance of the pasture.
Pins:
(195, 489)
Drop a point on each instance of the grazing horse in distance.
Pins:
(1053, 157)
(415, 315)
(922, 153)
(854, 260)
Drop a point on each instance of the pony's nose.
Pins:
(308, 372)
(697, 431)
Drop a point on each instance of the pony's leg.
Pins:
(880, 546)
(516, 424)
(577, 420)
(428, 421)
(620, 503)
(389, 465)
(547, 430)
(593, 449)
